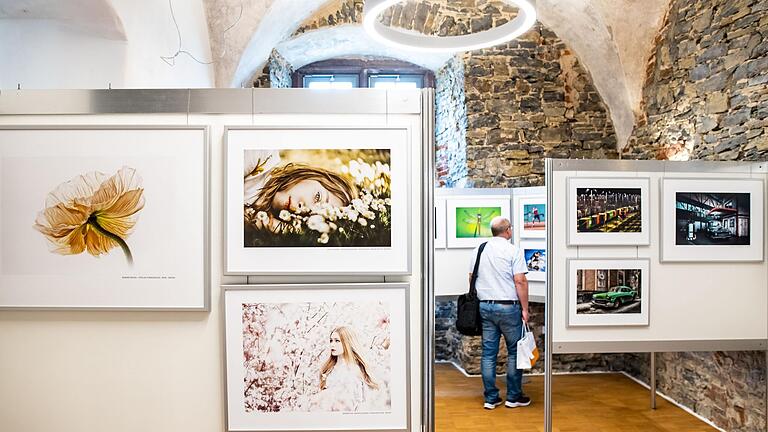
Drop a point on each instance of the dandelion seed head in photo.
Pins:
(287, 345)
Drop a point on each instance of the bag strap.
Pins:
(472, 289)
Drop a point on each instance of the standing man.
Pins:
(502, 288)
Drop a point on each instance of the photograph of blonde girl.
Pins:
(345, 380)
(316, 197)
(317, 357)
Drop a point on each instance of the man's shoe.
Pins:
(492, 405)
(519, 402)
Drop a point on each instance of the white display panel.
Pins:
(136, 351)
(452, 264)
(685, 296)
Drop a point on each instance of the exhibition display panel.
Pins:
(643, 255)
(462, 222)
(107, 205)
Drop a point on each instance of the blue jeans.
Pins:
(507, 320)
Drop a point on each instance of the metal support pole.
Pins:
(548, 307)
(653, 380)
(428, 252)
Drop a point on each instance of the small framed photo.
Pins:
(469, 220)
(300, 356)
(608, 292)
(712, 220)
(104, 217)
(608, 211)
(440, 219)
(317, 200)
(533, 217)
(535, 255)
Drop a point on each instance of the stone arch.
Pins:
(523, 101)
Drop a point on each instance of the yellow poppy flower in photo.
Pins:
(93, 213)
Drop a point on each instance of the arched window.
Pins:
(373, 73)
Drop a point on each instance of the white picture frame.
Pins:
(104, 217)
(635, 187)
(497, 206)
(528, 226)
(537, 266)
(269, 326)
(708, 237)
(440, 224)
(392, 257)
(619, 309)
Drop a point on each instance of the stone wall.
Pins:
(450, 125)
(525, 100)
(706, 97)
(276, 74)
(706, 92)
(528, 100)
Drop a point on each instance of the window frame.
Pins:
(364, 69)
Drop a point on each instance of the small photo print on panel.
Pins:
(608, 292)
(534, 217)
(474, 222)
(712, 218)
(536, 259)
(608, 210)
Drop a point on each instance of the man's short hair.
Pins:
(499, 225)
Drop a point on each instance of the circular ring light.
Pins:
(411, 40)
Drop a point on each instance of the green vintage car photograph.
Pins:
(615, 297)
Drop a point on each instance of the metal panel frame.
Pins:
(206, 214)
(325, 286)
(204, 101)
(428, 261)
(409, 184)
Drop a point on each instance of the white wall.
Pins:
(156, 371)
(43, 54)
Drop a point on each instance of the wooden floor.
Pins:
(588, 403)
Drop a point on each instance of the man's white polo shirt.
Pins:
(500, 261)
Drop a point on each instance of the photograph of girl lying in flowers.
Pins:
(317, 197)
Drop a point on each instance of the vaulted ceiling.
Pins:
(612, 38)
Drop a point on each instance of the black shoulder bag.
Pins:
(468, 320)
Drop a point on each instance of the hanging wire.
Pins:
(171, 60)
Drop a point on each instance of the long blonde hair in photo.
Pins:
(351, 356)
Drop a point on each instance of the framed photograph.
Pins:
(104, 217)
(608, 211)
(440, 223)
(608, 292)
(535, 255)
(300, 356)
(469, 219)
(533, 217)
(712, 220)
(317, 200)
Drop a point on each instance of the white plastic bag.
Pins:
(527, 353)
